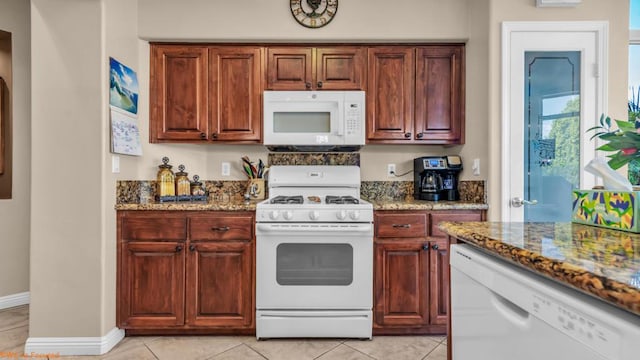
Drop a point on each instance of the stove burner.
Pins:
(298, 199)
(330, 199)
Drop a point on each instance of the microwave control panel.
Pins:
(353, 113)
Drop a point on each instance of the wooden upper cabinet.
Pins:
(235, 105)
(415, 95)
(390, 92)
(439, 101)
(201, 94)
(306, 68)
(178, 93)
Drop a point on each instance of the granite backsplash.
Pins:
(144, 191)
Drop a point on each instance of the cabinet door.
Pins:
(439, 281)
(439, 102)
(220, 284)
(401, 284)
(152, 284)
(289, 68)
(390, 92)
(340, 68)
(235, 102)
(178, 93)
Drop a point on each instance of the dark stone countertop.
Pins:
(600, 262)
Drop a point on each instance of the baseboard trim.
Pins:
(14, 300)
(74, 345)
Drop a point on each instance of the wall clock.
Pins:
(314, 13)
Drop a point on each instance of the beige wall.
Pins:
(73, 227)
(67, 240)
(14, 212)
(614, 11)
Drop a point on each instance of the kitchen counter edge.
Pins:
(610, 291)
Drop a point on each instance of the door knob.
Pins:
(518, 201)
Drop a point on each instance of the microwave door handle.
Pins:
(341, 123)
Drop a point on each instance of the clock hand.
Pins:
(314, 4)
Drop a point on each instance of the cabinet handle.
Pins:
(419, 135)
(407, 135)
(405, 226)
(425, 247)
(192, 247)
(307, 85)
(203, 136)
(222, 228)
(319, 84)
(214, 135)
(434, 246)
(178, 248)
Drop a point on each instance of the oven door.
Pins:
(314, 266)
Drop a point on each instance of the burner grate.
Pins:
(297, 199)
(331, 199)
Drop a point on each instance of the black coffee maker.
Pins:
(436, 177)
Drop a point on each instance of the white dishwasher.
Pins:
(502, 312)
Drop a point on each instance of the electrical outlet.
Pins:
(226, 169)
(476, 167)
(391, 170)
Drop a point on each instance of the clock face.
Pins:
(314, 13)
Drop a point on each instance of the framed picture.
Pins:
(2, 126)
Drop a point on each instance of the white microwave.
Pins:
(314, 120)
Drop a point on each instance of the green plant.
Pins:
(625, 140)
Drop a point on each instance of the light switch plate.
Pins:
(115, 164)
(557, 3)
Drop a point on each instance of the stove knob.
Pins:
(274, 214)
(341, 215)
(354, 215)
(314, 215)
(288, 215)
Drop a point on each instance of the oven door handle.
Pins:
(290, 228)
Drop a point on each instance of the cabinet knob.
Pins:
(425, 247)
(178, 248)
(407, 135)
(434, 246)
(214, 135)
(192, 247)
(222, 228)
(319, 84)
(419, 135)
(307, 85)
(203, 136)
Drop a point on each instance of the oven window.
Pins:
(302, 122)
(314, 264)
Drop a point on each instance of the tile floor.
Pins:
(14, 327)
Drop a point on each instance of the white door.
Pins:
(553, 91)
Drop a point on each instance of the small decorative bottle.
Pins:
(183, 185)
(165, 179)
(196, 186)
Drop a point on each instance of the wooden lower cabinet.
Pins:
(199, 281)
(411, 271)
(219, 284)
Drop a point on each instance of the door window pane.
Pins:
(314, 264)
(634, 14)
(552, 133)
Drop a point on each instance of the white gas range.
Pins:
(314, 254)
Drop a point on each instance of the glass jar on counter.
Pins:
(165, 179)
(183, 185)
(196, 186)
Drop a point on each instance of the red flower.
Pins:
(629, 151)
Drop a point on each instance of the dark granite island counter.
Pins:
(600, 262)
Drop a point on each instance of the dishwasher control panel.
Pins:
(581, 327)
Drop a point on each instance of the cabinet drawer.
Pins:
(436, 218)
(221, 228)
(401, 225)
(159, 228)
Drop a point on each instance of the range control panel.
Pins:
(595, 335)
